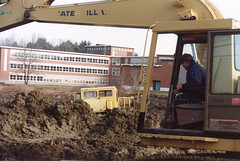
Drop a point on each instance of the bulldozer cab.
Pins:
(218, 51)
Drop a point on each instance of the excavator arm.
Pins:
(120, 13)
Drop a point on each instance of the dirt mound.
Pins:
(33, 115)
(32, 123)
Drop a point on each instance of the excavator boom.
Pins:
(121, 13)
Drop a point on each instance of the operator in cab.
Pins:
(190, 92)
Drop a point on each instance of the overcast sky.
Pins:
(135, 38)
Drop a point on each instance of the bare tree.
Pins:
(26, 59)
(10, 41)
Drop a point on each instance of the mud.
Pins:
(36, 127)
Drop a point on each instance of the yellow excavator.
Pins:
(215, 41)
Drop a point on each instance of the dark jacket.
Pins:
(196, 77)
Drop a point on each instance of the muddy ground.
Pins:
(36, 127)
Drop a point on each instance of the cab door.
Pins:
(223, 88)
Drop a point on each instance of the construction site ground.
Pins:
(39, 126)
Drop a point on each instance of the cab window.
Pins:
(105, 93)
(226, 64)
(90, 94)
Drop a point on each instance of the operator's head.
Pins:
(186, 60)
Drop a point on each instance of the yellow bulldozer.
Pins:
(101, 99)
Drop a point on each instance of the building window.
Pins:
(83, 70)
(65, 69)
(116, 61)
(20, 66)
(41, 56)
(66, 59)
(59, 69)
(34, 67)
(46, 57)
(100, 61)
(19, 77)
(84, 60)
(53, 57)
(40, 67)
(12, 77)
(94, 60)
(95, 71)
(53, 68)
(13, 66)
(106, 72)
(88, 70)
(170, 62)
(46, 67)
(71, 69)
(77, 70)
(89, 60)
(106, 61)
(39, 78)
(100, 71)
(13, 54)
(115, 71)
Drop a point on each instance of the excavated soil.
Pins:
(36, 127)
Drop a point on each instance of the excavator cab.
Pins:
(218, 113)
(188, 113)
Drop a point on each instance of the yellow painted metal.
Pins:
(128, 13)
(104, 98)
(179, 137)
(196, 26)
(12, 14)
(111, 98)
(190, 142)
(122, 13)
(112, 88)
(177, 3)
(126, 101)
(109, 105)
(141, 71)
(98, 104)
(147, 82)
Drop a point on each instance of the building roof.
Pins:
(55, 51)
(103, 45)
